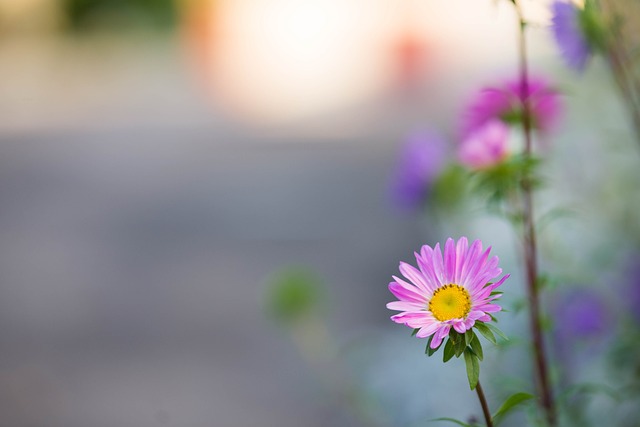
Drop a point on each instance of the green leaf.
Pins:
(511, 402)
(476, 346)
(449, 351)
(468, 337)
(453, 420)
(473, 368)
(485, 331)
(459, 345)
(495, 329)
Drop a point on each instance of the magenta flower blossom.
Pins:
(505, 103)
(444, 293)
(486, 147)
(421, 160)
(569, 34)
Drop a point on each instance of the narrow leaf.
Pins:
(453, 420)
(459, 347)
(449, 351)
(468, 336)
(473, 368)
(511, 402)
(495, 329)
(476, 346)
(485, 331)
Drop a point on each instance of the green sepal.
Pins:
(468, 337)
(414, 332)
(509, 404)
(476, 346)
(473, 368)
(485, 331)
(458, 342)
(430, 351)
(449, 351)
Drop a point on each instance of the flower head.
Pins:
(485, 147)
(421, 160)
(505, 103)
(569, 34)
(447, 292)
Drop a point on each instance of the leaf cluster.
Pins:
(467, 345)
(503, 180)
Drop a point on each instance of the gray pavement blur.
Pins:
(139, 225)
(136, 239)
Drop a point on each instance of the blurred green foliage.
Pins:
(294, 293)
(118, 14)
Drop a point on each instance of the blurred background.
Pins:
(166, 165)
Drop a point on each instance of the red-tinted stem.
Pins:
(530, 247)
(485, 407)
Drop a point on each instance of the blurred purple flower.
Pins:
(420, 161)
(579, 314)
(569, 34)
(486, 147)
(505, 103)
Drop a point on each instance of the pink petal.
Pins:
(461, 253)
(476, 265)
(472, 254)
(413, 319)
(438, 266)
(414, 276)
(428, 330)
(405, 306)
(490, 308)
(459, 327)
(450, 261)
(425, 262)
(406, 292)
(440, 335)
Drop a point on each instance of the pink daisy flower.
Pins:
(444, 293)
(504, 102)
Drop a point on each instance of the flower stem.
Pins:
(619, 62)
(530, 246)
(485, 407)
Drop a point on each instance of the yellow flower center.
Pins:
(450, 302)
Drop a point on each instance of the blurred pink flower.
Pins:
(486, 146)
(505, 103)
(454, 291)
